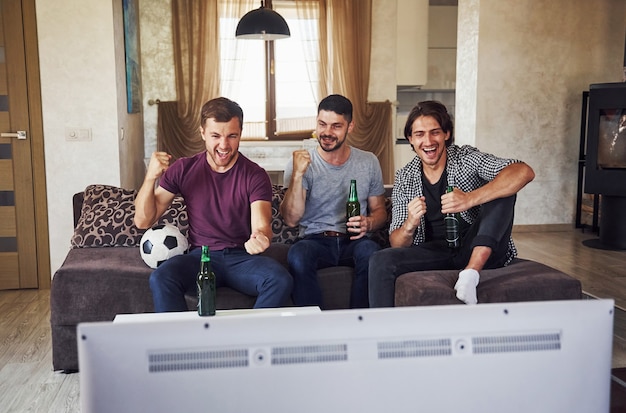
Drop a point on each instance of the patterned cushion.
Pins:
(282, 233)
(106, 218)
(107, 212)
(382, 235)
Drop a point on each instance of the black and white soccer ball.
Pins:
(160, 243)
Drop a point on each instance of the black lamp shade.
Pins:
(262, 23)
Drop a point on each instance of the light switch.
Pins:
(78, 134)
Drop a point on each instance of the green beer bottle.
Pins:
(206, 285)
(353, 207)
(452, 227)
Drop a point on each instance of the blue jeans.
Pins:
(254, 275)
(315, 252)
(491, 229)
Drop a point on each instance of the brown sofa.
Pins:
(104, 275)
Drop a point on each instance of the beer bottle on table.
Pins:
(452, 227)
(206, 285)
(353, 207)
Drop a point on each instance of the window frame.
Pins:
(270, 99)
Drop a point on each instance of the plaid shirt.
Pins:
(467, 169)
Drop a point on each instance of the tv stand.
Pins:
(612, 224)
(581, 173)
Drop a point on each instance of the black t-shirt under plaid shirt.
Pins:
(467, 169)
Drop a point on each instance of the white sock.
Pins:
(466, 286)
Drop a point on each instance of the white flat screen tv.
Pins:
(512, 357)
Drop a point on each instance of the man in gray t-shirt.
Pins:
(318, 183)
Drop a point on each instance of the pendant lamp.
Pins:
(262, 23)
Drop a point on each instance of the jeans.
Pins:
(315, 252)
(254, 275)
(492, 229)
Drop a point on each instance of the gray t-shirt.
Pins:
(327, 187)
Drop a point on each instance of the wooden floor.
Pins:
(28, 384)
(601, 272)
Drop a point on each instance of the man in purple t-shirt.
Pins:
(228, 200)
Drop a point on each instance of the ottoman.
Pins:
(521, 280)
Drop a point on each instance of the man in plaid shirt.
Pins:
(484, 192)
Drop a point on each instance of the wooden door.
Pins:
(18, 254)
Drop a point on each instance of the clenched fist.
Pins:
(301, 161)
(159, 162)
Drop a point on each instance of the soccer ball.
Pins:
(160, 243)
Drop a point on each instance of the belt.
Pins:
(333, 234)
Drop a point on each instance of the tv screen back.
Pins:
(551, 356)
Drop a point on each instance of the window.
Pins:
(276, 83)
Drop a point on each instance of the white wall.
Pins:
(77, 67)
(521, 69)
(83, 85)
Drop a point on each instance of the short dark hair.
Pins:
(434, 109)
(222, 110)
(341, 105)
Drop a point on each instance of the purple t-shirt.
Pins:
(218, 204)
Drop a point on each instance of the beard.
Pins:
(327, 147)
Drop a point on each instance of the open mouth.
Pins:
(430, 150)
(222, 154)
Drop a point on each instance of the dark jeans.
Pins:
(255, 275)
(315, 252)
(491, 229)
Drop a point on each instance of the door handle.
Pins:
(20, 134)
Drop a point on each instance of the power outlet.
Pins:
(78, 134)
